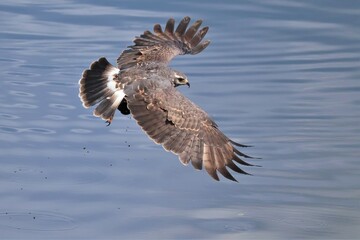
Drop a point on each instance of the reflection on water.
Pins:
(279, 75)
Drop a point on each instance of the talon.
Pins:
(108, 123)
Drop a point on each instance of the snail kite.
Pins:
(144, 86)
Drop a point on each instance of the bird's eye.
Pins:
(181, 79)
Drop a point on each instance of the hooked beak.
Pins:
(188, 84)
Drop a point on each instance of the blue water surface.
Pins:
(283, 76)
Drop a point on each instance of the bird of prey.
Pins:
(144, 86)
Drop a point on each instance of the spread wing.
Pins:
(180, 126)
(161, 46)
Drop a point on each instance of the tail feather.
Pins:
(96, 96)
(99, 84)
(106, 109)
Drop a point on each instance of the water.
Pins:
(280, 75)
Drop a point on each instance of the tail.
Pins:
(100, 84)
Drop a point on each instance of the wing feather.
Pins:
(155, 129)
(169, 29)
(199, 36)
(162, 136)
(192, 30)
(196, 152)
(208, 161)
(185, 155)
(162, 46)
(181, 142)
(235, 168)
(152, 123)
(241, 154)
(172, 120)
(242, 162)
(200, 47)
(172, 140)
(180, 30)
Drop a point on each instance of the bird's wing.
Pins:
(161, 46)
(180, 126)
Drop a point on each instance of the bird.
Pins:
(143, 85)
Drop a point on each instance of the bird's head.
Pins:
(180, 79)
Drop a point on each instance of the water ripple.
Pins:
(8, 116)
(24, 84)
(80, 130)
(6, 129)
(58, 94)
(24, 105)
(21, 94)
(39, 130)
(56, 117)
(87, 116)
(62, 106)
(20, 105)
(61, 84)
(36, 220)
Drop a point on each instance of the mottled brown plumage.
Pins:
(162, 46)
(144, 86)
